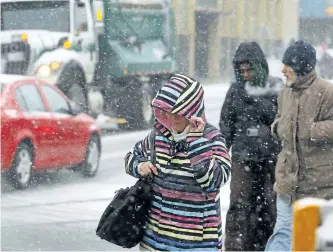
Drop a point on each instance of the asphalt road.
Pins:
(60, 211)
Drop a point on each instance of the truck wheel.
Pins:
(76, 94)
(139, 113)
(127, 100)
(72, 84)
(21, 170)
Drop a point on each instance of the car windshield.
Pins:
(36, 15)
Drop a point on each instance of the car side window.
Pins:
(29, 99)
(56, 101)
(20, 100)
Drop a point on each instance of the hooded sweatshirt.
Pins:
(185, 212)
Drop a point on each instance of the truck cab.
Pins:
(109, 57)
(54, 40)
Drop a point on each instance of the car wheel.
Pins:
(21, 170)
(93, 154)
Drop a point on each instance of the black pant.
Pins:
(252, 211)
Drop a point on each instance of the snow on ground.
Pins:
(90, 197)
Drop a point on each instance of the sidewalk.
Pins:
(213, 81)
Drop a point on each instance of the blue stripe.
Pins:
(168, 98)
(177, 212)
(172, 91)
(135, 165)
(212, 187)
(162, 139)
(197, 149)
(200, 140)
(210, 213)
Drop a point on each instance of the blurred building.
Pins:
(210, 30)
(316, 21)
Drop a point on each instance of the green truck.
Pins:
(110, 57)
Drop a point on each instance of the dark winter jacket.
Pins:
(249, 110)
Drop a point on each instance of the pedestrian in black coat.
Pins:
(247, 113)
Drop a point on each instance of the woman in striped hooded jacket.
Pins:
(192, 163)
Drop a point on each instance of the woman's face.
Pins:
(169, 120)
(179, 123)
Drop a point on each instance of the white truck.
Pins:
(108, 56)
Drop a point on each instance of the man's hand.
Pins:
(197, 124)
(147, 168)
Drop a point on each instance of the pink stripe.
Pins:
(198, 197)
(222, 154)
(211, 218)
(211, 135)
(162, 105)
(174, 223)
(157, 213)
(202, 158)
(192, 139)
(192, 111)
(179, 82)
(195, 100)
(163, 151)
(214, 224)
(163, 144)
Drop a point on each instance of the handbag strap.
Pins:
(152, 147)
(149, 179)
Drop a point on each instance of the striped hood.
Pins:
(180, 95)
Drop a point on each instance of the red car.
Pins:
(42, 129)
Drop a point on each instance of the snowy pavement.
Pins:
(61, 211)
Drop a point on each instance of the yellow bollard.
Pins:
(306, 219)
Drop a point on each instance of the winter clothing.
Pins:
(281, 238)
(304, 124)
(251, 199)
(185, 212)
(250, 52)
(250, 109)
(301, 57)
(247, 113)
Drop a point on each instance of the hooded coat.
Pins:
(185, 211)
(251, 107)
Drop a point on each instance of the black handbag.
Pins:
(123, 221)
